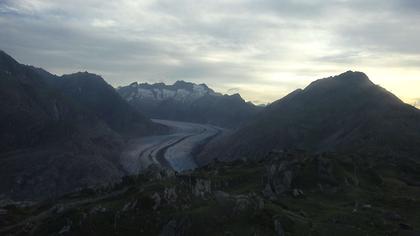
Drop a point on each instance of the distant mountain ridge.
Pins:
(345, 113)
(185, 101)
(180, 91)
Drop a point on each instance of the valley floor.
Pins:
(175, 150)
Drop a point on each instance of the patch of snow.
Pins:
(200, 90)
(145, 93)
(182, 94)
(166, 93)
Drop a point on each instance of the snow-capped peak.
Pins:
(180, 91)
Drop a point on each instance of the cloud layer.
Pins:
(262, 49)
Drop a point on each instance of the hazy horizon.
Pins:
(261, 50)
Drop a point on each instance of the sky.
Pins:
(262, 49)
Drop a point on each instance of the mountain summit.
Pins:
(94, 93)
(185, 101)
(180, 91)
(342, 113)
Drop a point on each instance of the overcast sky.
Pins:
(262, 49)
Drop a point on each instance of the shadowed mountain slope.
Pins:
(92, 92)
(345, 113)
(53, 139)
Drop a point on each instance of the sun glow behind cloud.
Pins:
(263, 49)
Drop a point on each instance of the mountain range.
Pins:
(346, 113)
(339, 157)
(185, 101)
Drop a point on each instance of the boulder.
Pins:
(157, 199)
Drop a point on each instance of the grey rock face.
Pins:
(278, 179)
(157, 199)
(201, 188)
(170, 194)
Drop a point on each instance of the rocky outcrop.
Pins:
(169, 194)
(201, 188)
(157, 201)
(280, 174)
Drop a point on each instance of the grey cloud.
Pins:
(408, 5)
(343, 57)
(216, 42)
(382, 36)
